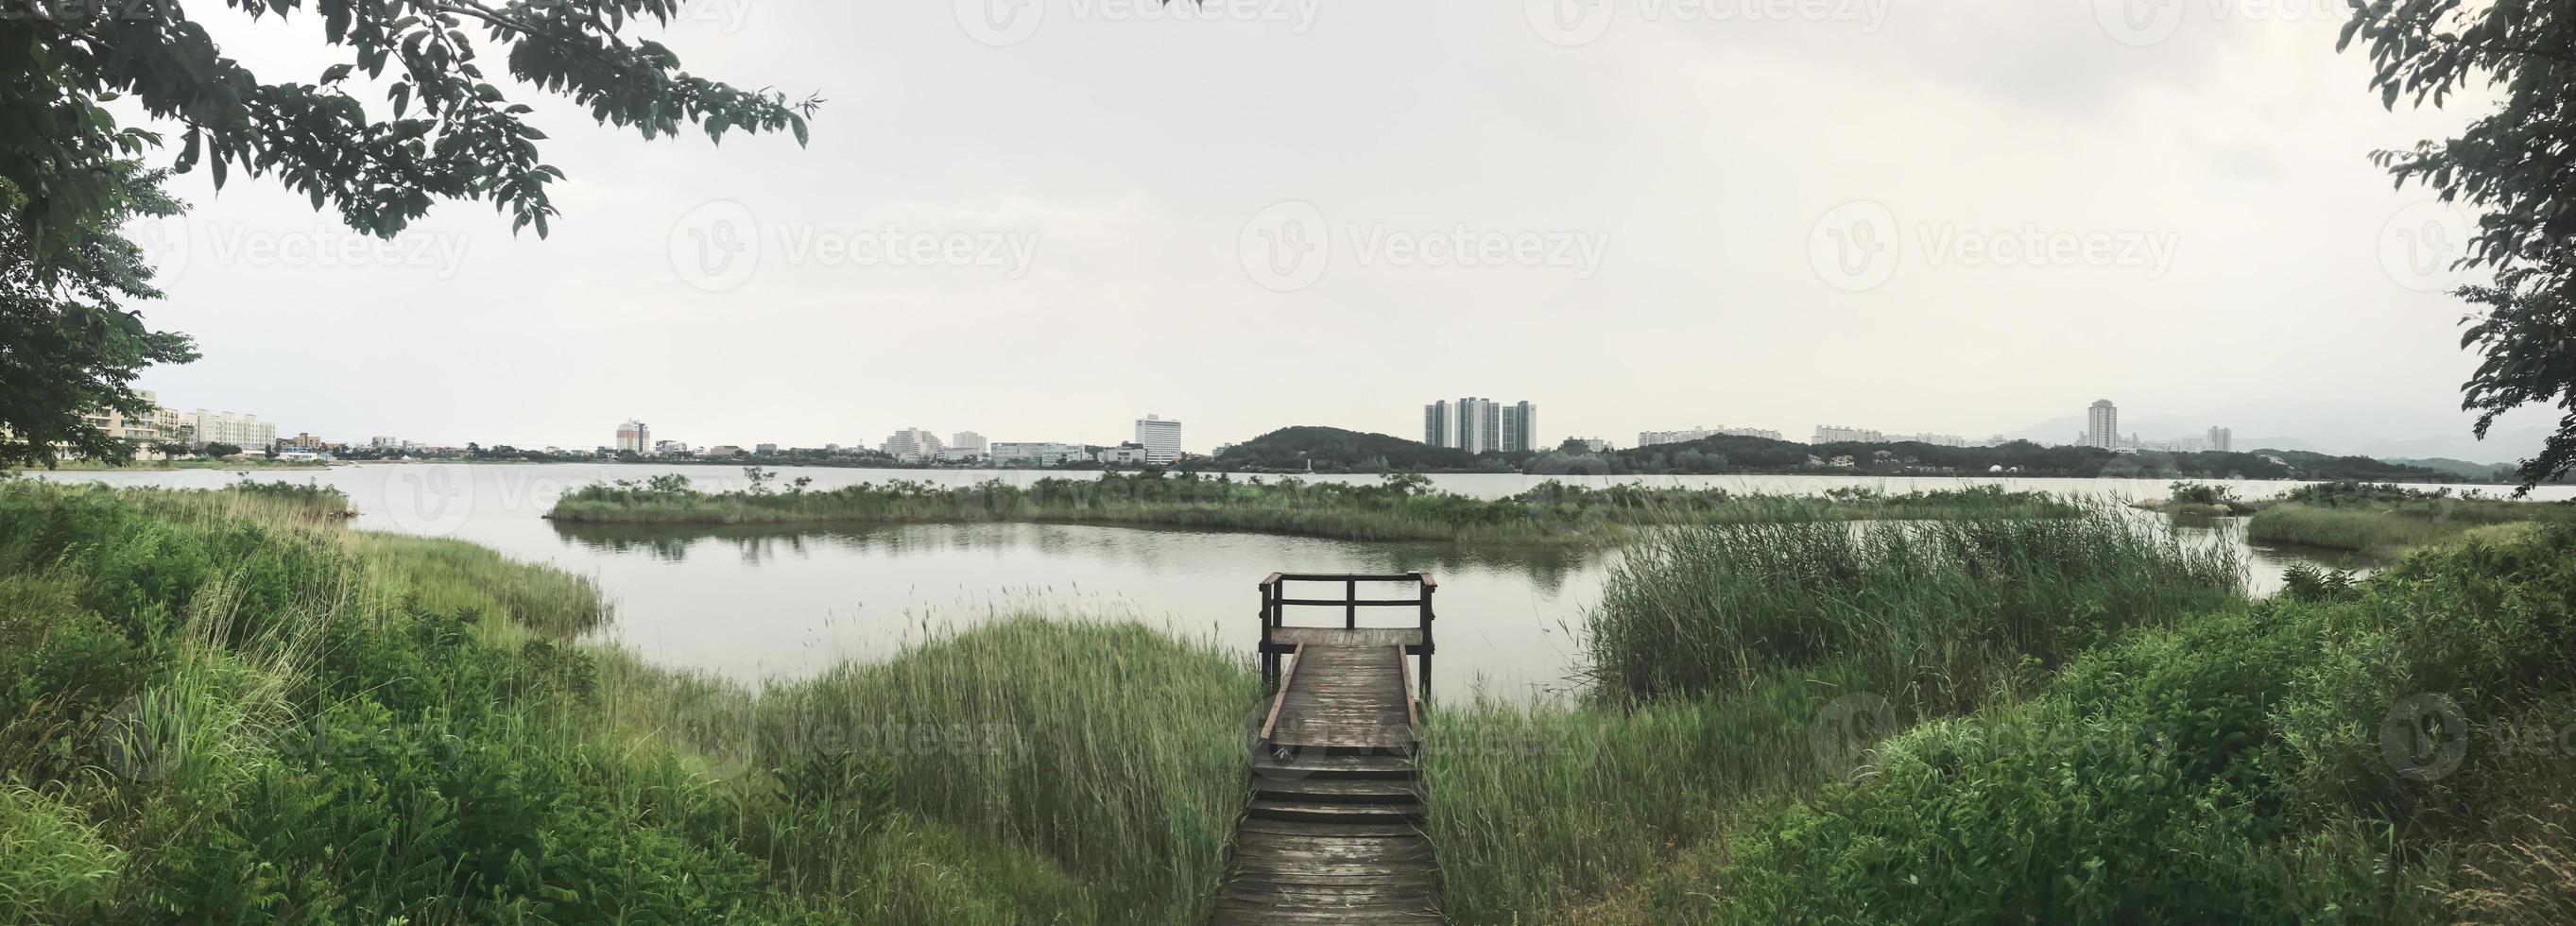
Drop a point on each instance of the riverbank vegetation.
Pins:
(223, 706)
(1334, 450)
(1402, 507)
(2388, 521)
(1872, 746)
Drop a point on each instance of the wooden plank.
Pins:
(1332, 834)
(1282, 697)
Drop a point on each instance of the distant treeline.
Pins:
(1333, 450)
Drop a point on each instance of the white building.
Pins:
(911, 444)
(1006, 453)
(671, 448)
(1127, 454)
(1654, 438)
(1837, 434)
(634, 437)
(2222, 439)
(2102, 425)
(1478, 425)
(243, 431)
(1161, 438)
(968, 441)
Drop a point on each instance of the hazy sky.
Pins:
(1042, 219)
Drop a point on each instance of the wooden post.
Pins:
(1428, 586)
(1351, 607)
(1269, 660)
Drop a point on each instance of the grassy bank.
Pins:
(2045, 723)
(1403, 507)
(220, 706)
(1737, 663)
(2386, 521)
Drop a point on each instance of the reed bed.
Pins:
(223, 707)
(1404, 507)
(2387, 521)
(1735, 666)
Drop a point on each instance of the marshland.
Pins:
(1747, 717)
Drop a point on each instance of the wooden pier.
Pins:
(1333, 832)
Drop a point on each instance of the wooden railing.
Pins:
(1276, 600)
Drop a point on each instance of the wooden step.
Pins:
(1338, 790)
(1319, 765)
(1333, 811)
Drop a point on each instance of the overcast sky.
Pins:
(1040, 222)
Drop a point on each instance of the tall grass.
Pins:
(223, 707)
(1737, 665)
(2265, 766)
(2390, 521)
(1930, 611)
(1404, 507)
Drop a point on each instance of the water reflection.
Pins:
(1545, 569)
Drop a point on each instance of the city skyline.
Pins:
(1133, 239)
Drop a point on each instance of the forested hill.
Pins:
(1729, 454)
(1334, 450)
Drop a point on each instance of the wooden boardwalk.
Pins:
(1333, 831)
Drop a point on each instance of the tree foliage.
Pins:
(69, 176)
(67, 346)
(2517, 165)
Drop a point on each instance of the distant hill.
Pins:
(2475, 472)
(1334, 450)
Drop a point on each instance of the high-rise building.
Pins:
(2102, 425)
(244, 431)
(911, 444)
(634, 437)
(1653, 438)
(967, 442)
(1161, 438)
(1478, 425)
(2222, 439)
(1520, 424)
(1837, 434)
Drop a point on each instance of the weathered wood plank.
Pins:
(1333, 837)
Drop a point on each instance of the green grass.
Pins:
(1404, 507)
(1735, 663)
(2164, 755)
(2387, 522)
(224, 707)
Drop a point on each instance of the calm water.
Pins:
(767, 603)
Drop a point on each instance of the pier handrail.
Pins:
(1275, 603)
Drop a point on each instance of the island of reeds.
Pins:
(1402, 506)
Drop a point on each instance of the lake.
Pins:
(767, 603)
